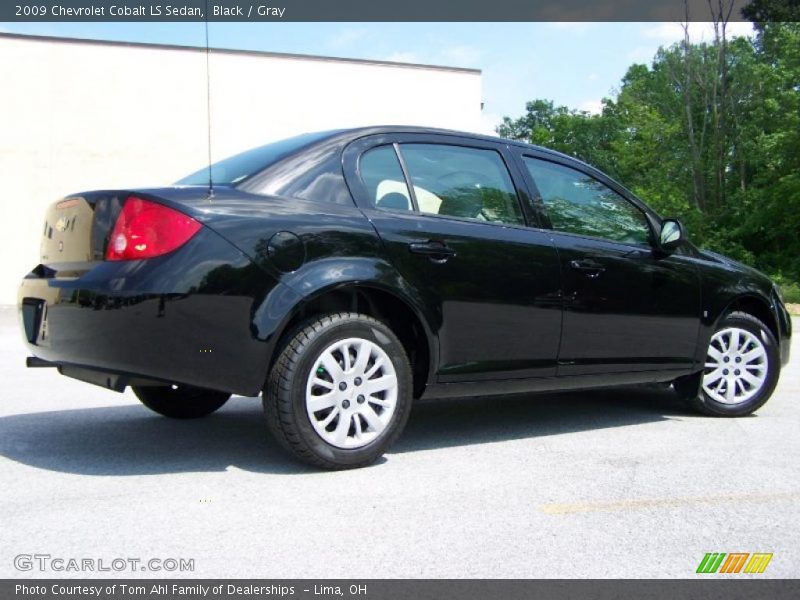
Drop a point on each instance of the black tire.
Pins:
(690, 388)
(181, 402)
(284, 396)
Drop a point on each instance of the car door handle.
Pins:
(436, 251)
(588, 267)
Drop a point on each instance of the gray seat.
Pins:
(394, 200)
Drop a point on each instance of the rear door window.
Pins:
(383, 177)
(458, 181)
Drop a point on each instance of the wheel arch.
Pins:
(747, 301)
(751, 308)
(376, 299)
(754, 305)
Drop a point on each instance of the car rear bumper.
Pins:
(183, 318)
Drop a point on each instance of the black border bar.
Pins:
(367, 10)
(730, 588)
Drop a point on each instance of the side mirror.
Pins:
(672, 235)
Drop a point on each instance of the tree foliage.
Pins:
(709, 132)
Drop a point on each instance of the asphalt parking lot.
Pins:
(602, 484)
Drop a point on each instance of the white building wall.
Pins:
(83, 115)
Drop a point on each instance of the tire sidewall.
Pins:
(773, 368)
(380, 335)
(185, 402)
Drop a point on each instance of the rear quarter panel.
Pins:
(340, 248)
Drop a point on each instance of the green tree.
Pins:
(709, 132)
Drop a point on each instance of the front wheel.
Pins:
(741, 369)
(180, 401)
(340, 391)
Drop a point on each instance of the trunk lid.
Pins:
(67, 234)
(76, 231)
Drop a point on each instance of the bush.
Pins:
(790, 289)
(791, 293)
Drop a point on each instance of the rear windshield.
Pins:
(237, 168)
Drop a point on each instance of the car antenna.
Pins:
(208, 104)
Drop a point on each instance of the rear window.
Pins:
(237, 168)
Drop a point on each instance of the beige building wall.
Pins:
(78, 115)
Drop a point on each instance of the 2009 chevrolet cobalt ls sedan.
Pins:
(347, 273)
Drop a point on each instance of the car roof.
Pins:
(358, 132)
(354, 133)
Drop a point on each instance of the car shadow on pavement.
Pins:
(129, 440)
(457, 422)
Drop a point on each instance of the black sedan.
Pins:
(345, 274)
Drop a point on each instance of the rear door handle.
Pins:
(588, 267)
(436, 251)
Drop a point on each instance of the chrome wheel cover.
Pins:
(351, 393)
(736, 366)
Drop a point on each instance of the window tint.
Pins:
(577, 203)
(462, 182)
(236, 169)
(383, 177)
(314, 175)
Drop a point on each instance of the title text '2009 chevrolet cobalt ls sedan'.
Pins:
(347, 273)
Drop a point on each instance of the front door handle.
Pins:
(436, 251)
(588, 267)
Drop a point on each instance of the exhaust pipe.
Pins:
(34, 361)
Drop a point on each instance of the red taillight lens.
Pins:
(146, 229)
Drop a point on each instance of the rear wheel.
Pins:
(180, 402)
(340, 391)
(741, 369)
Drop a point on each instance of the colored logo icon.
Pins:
(734, 562)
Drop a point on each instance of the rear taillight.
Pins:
(146, 229)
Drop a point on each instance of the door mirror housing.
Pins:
(672, 235)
